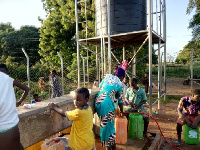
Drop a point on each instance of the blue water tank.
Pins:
(125, 16)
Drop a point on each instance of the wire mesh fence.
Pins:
(40, 76)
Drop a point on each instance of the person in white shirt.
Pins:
(4, 69)
(9, 131)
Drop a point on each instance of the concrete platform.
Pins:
(130, 145)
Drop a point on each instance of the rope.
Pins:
(158, 128)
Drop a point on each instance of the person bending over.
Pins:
(188, 109)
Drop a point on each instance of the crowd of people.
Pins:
(116, 93)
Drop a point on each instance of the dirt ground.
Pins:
(167, 115)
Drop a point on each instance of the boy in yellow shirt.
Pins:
(81, 135)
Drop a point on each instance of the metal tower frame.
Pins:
(150, 35)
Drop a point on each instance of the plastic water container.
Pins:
(121, 130)
(191, 136)
(135, 126)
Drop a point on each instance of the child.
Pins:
(125, 86)
(81, 136)
(55, 87)
(41, 84)
(136, 97)
(188, 111)
(96, 84)
(36, 99)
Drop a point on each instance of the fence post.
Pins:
(61, 59)
(191, 69)
(28, 72)
(83, 69)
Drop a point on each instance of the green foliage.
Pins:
(73, 75)
(169, 98)
(58, 30)
(180, 71)
(194, 23)
(13, 41)
(19, 72)
(177, 61)
(184, 56)
(184, 61)
(193, 4)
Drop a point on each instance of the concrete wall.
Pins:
(40, 122)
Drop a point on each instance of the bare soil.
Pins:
(167, 115)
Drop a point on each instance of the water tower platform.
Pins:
(129, 38)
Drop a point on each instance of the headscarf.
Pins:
(124, 64)
(120, 72)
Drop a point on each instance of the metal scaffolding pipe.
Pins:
(159, 73)
(77, 44)
(124, 53)
(115, 58)
(156, 16)
(62, 69)
(150, 55)
(164, 34)
(191, 68)
(109, 42)
(134, 62)
(102, 64)
(83, 71)
(102, 61)
(28, 72)
(86, 41)
(97, 67)
(161, 19)
(104, 53)
(139, 48)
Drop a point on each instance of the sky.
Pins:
(26, 12)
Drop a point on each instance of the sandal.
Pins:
(178, 143)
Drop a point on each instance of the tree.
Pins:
(12, 41)
(185, 54)
(184, 61)
(58, 31)
(5, 29)
(195, 21)
(177, 61)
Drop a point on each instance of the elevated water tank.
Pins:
(125, 16)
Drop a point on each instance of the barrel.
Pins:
(135, 126)
(121, 130)
(190, 136)
(125, 16)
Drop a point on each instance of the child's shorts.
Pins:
(4, 131)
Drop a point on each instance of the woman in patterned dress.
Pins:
(106, 102)
(55, 87)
